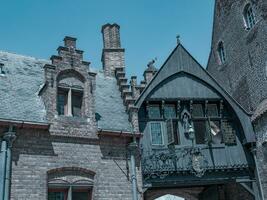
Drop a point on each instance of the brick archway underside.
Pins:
(187, 193)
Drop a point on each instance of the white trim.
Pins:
(162, 135)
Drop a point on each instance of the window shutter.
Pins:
(208, 132)
(170, 133)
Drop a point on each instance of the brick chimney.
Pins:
(112, 54)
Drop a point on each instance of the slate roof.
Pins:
(23, 78)
(180, 61)
(260, 110)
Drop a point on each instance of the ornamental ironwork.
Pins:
(163, 163)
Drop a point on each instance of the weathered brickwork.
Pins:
(245, 50)
(36, 152)
(87, 147)
(244, 73)
(261, 130)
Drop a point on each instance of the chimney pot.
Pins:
(70, 42)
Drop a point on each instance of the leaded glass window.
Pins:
(156, 133)
(169, 111)
(198, 110)
(200, 131)
(76, 103)
(249, 16)
(229, 133)
(170, 132)
(212, 110)
(57, 194)
(62, 99)
(221, 53)
(154, 112)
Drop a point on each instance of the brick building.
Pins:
(71, 132)
(238, 61)
(64, 125)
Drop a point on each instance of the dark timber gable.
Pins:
(181, 63)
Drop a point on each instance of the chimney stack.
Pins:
(70, 42)
(112, 53)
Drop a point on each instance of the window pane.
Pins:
(212, 110)
(56, 195)
(197, 110)
(216, 133)
(169, 111)
(156, 133)
(221, 52)
(176, 132)
(76, 103)
(83, 195)
(229, 133)
(200, 131)
(154, 112)
(62, 99)
(170, 133)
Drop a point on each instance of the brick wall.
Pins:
(261, 132)
(244, 73)
(35, 152)
(245, 50)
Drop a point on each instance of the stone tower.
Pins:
(112, 54)
(238, 61)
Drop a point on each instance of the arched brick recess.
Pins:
(186, 193)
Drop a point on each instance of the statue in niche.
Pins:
(186, 119)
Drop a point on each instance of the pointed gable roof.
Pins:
(181, 62)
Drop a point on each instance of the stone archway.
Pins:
(169, 197)
(185, 193)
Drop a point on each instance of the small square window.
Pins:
(154, 112)
(169, 111)
(198, 110)
(212, 110)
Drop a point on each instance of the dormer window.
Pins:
(69, 102)
(70, 94)
(221, 53)
(249, 16)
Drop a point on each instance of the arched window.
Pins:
(70, 183)
(221, 53)
(70, 94)
(249, 16)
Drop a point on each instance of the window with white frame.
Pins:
(156, 133)
(221, 53)
(249, 16)
(69, 102)
(70, 90)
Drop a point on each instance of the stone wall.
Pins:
(260, 126)
(244, 73)
(35, 152)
